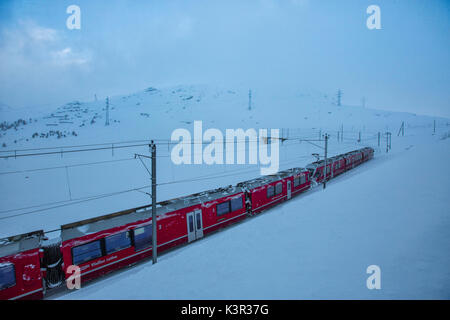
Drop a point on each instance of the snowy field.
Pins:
(392, 212)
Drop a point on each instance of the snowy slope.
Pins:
(392, 212)
(156, 112)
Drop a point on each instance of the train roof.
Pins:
(20, 243)
(334, 158)
(120, 218)
(257, 182)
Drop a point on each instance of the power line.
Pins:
(215, 175)
(66, 166)
(157, 142)
(95, 197)
(69, 151)
(77, 201)
(112, 147)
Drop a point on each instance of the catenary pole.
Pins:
(387, 142)
(154, 238)
(326, 162)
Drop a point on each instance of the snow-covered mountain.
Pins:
(156, 112)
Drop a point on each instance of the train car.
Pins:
(20, 267)
(367, 153)
(297, 181)
(338, 165)
(110, 242)
(223, 207)
(350, 160)
(267, 191)
(358, 157)
(317, 169)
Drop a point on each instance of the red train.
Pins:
(31, 266)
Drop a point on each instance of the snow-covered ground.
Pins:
(392, 212)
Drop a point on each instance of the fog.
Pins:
(126, 46)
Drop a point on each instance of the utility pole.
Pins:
(107, 112)
(250, 99)
(434, 127)
(379, 136)
(388, 141)
(359, 138)
(339, 96)
(342, 132)
(326, 162)
(154, 238)
(338, 138)
(152, 147)
(401, 130)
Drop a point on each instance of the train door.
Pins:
(194, 225)
(289, 190)
(198, 224)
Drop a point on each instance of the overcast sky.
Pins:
(126, 46)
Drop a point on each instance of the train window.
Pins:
(117, 242)
(143, 237)
(199, 220)
(236, 204)
(191, 223)
(7, 276)
(223, 208)
(270, 191)
(296, 182)
(86, 252)
(278, 188)
(303, 179)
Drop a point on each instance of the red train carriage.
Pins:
(367, 153)
(316, 170)
(355, 158)
(106, 243)
(338, 165)
(351, 160)
(358, 158)
(20, 267)
(267, 191)
(348, 161)
(299, 180)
